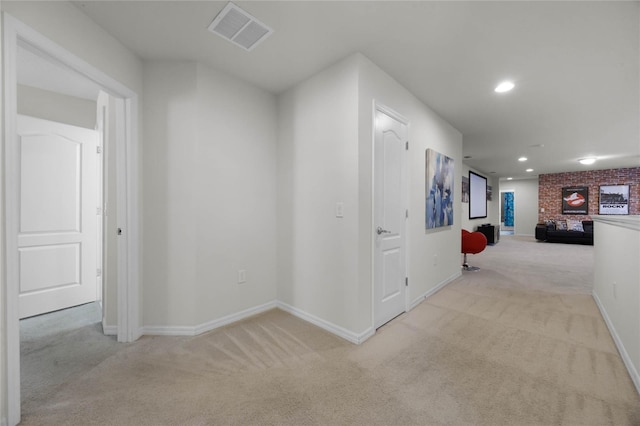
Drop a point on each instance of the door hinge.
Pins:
(406, 214)
(98, 272)
(98, 211)
(406, 146)
(98, 149)
(406, 281)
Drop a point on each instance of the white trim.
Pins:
(10, 304)
(16, 33)
(110, 330)
(630, 222)
(434, 290)
(167, 330)
(616, 338)
(352, 337)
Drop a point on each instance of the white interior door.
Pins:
(390, 216)
(58, 204)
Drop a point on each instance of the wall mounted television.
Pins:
(477, 196)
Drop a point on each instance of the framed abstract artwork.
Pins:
(439, 180)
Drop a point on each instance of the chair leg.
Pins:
(466, 266)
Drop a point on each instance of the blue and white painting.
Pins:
(439, 190)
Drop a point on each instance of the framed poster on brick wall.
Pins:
(614, 199)
(575, 200)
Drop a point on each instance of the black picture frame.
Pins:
(575, 200)
(477, 196)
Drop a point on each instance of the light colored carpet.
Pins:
(519, 342)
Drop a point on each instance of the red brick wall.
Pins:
(550, 190)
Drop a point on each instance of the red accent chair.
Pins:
(473, 243)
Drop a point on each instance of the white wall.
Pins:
(169, 226)
(493, 206)
(616, 286)
(210, 190)
(325, 156)
(235, 190)
(56, 107)
(525, 204)
(318, 167)
(426, 130)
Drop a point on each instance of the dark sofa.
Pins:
(553, 232)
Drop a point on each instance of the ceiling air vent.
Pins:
(240, 28)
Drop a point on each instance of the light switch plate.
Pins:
(340, 209)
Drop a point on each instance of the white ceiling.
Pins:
(576, 65)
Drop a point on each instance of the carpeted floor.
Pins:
(519, 342)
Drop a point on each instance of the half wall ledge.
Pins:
(631, 222)
(616, 284)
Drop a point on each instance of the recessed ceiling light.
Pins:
(505, 86)
(529, 170)
(587, 161)
(509, 178)
(522, 159)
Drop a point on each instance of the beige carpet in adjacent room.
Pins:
(520, 342)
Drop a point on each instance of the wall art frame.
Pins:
(439, 193)
(614, 200)
(575, 200)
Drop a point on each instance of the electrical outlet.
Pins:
(340, 209)
(242, 276)
(435, 260)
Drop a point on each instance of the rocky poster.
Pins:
(614, 199)
(575, 200)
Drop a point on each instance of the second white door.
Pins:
(390, 216)
(58, 204)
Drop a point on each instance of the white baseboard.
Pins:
(207, 326)
(433, 291)
(326, 325)
(356, 338)
(616, 338)
(110, 330)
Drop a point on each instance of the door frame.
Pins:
(377, 106)
(513, 191)
(16, 33)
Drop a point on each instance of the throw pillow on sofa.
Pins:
(561, 225)
(574, 225)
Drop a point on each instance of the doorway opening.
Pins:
(17, 35)
(507, 213)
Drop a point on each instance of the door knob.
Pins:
(382, 231)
